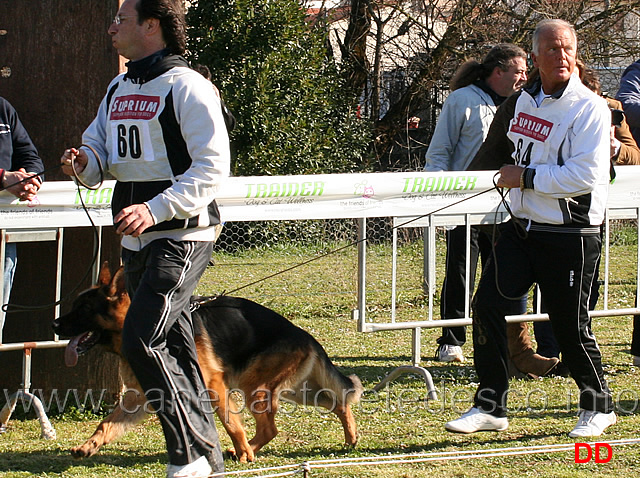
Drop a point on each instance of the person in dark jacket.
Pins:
(19, 165)
(629, 95)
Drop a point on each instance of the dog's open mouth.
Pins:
(79, 345)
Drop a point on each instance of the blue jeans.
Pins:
(11, 258)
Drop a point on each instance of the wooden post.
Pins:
(56, 61)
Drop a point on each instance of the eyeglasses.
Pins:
(118, 18)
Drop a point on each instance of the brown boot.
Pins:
(522, 355)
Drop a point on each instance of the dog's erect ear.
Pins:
(117, 283)
(105, 274)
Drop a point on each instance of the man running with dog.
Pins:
(559, 137)
(160, 132)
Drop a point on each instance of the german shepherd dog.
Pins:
(241, 346)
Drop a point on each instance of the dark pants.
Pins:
(452, 297)
(158, 342)
(548, 346)
(563, 265)
(547, 343)
(543, 331)
(635, 337)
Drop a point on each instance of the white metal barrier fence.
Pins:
(444, 219)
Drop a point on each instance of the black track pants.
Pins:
(453, 288)
(158, 342)
(635, 337)
(563, 265)
(452, 298)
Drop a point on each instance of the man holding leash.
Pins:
(161, 133)
(560, 139)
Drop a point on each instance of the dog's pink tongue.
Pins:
(71, 352)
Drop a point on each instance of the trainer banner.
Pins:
(324, 196)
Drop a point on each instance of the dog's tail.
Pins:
(358, 389)
(347, 390)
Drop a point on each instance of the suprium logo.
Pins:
(584, 453)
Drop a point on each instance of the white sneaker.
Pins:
(450, 353)
(636, 361)
(476, 420)
(198, 469)
(592, 424)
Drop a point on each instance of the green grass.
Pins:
(399, 420)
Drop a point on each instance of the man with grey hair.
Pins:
(558, 138)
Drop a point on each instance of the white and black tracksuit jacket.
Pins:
(166, 143)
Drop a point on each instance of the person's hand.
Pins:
(133, 220)
(510, 176)
(615, 144)
(78, 156)
(16, 183)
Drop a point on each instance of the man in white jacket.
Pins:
(560, 139)
(477, 89)
(160, 132)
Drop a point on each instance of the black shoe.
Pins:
(560, 370)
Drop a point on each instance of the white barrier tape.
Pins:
(424, 457)
(322, 196)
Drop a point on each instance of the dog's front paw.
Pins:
(230, 454)
(85, 450)
(351, 444)
(243, 457)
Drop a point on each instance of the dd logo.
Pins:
(589, 453)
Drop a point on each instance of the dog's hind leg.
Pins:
(348, 424)
(224, 405)
(263, 384)
(229, 416)
(263, 406)
(129, 411)
(328, 388)
(322, 397)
